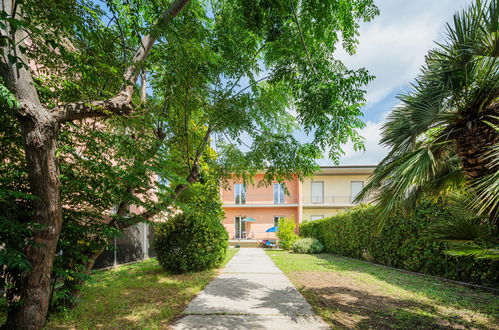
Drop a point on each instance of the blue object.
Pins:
(272, 229)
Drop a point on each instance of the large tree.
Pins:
(444, 136)
(203, 56)
(40, 127)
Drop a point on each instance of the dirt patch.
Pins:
(345, 302)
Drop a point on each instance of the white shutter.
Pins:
(356, 187)
(318, 192)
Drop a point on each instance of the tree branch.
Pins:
(121, 103)
(146, 46)
(118, 105)
(192, 177)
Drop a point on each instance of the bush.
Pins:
(286, 233)
(403, 243)
(307, 245)
(186, 243)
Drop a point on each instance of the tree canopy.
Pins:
(215, 73)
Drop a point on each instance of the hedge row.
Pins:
(403, 243)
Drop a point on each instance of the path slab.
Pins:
(250, 293)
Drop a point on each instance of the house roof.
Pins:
(347, 169)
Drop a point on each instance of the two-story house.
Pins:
(251, 210)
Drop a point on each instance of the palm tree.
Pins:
(444, 135)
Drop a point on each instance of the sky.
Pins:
(392, 47)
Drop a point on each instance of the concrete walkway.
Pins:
(250, 293)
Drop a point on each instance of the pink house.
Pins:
(251, 210)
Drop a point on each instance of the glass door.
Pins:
(240, 228)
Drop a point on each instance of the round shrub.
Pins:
(185, 243)
(307, 245)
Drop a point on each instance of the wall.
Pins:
(264, 217)
(334, 185)
(326, 212)
(261, 195)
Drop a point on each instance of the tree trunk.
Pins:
(40, 130)
(39, 135)
(474, 146)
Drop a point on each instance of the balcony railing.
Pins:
(256, 199)
(331, 199)
(252, 235)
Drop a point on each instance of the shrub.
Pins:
(403, 243)
(186, 243)
(307, 245)
(286, 233)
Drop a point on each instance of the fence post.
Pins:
(145, 242)
(115, 256)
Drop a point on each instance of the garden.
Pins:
(117, 113)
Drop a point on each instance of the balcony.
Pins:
(257, 200)
(330, 200)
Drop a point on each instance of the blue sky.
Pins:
(392, 47)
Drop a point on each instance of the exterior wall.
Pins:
(337, 189)
(298, 204)
(261, 195)
(264, 220)
(326, 212)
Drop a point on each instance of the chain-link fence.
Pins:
(134, 244)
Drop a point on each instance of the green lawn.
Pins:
(350, 293)
(139, 295)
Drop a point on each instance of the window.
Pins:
(276, 220)
(317, 192)
(316, 217)
(240, 193)
(355, 188)
(278, 193)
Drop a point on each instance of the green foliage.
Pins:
(194, 239)
(186, 243)
(307, 245)
(453, 98)
(196, 69)
(286, 233)
(405, 243)
(16, 204)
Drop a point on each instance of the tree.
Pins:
(444, 136)
(291, 42)
(39, 125)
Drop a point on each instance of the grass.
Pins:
(140, 295)
(350, 293)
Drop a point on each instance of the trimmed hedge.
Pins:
(403, 243)
(307, 245)
(186, 243)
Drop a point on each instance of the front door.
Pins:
(240, 227)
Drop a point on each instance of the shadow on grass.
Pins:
(133, 296)
(349, 291)
(347, 307)
(430, 287)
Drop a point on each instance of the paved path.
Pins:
(250, 293)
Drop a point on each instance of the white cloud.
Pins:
(392, 47)
(373, 154)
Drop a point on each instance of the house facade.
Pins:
(251, 210)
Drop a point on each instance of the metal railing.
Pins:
(331, 199)
(252, 235)
(257, 199)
